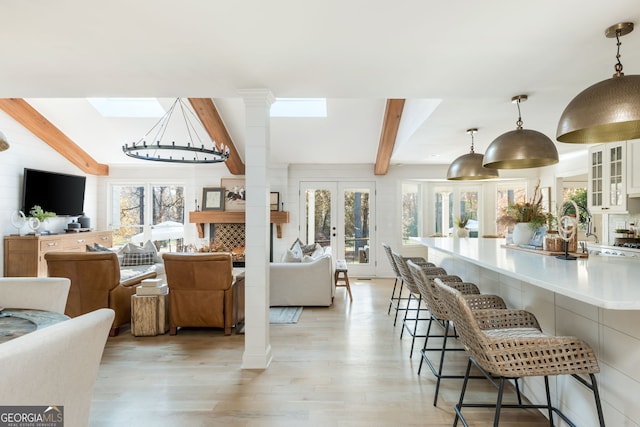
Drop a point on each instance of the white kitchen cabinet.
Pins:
(607, 187)
(633, 168)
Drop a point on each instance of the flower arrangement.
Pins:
(38, 212)
(530, 212)
(462, 221)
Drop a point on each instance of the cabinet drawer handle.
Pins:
(104, 238)
(80, 240)
(52, 244)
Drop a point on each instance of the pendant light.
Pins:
(607, 111)
(520, 148)
(186, 152)
(4, 144)
(469, 166)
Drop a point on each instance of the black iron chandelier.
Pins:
(188, 152)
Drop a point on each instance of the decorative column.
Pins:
(257, 350)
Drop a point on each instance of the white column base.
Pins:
(257, 361)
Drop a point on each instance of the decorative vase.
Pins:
(522, 233)
(462, 232)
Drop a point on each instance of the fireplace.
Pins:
(228, 230)
(229, 238)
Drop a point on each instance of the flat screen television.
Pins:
(54, 192)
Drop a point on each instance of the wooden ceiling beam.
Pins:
(212, 122)
(37, 124)
(390, 125)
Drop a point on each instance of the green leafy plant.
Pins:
(530, 212)
(462, 221)
(38, 212)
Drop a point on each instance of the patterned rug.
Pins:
(284, 314)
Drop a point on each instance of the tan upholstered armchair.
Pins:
(202, 291)
(95, 283)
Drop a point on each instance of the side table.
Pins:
(149, 315)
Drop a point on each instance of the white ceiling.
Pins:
(469, 56)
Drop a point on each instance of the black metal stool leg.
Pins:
(496, 417)
(393, 295)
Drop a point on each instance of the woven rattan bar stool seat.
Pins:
(522, 350)
(439, 314)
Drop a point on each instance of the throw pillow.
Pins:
(317, 252)
(306, 249)
(290, 256)
(294, 254)
(99, 247)
(308, 258)
(138, 258)
(146, 248)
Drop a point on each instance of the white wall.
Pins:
(28, 151)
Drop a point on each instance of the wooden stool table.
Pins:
(341, 274)
(149, 315)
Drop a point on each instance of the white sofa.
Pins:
(38, 293)
(302, 283)
(56, 365)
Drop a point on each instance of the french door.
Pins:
(341, 215)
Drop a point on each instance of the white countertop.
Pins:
(603, 281)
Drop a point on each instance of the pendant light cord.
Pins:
(472, 132)
(519, 122)
(618, 66)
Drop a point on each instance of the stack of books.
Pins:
(152, 287)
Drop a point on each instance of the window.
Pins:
(164, 223)
(444, 211)
(515, 192)
(469, 208)
(411, 208)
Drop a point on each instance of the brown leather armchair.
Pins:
(202, 291)
(95, 283)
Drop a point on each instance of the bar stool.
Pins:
(414, 293)
(440, 315)
(395, 301)
(501, 353)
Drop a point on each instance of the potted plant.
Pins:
(461, 225)
(525, 217)
(41, 215)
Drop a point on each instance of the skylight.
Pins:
(127, 107)
(299, 107)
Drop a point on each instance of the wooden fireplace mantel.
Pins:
(201, 218)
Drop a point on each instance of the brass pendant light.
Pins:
(520, 148)
(4, 144)
(607, 111)
(469, 166)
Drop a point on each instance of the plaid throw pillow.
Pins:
(139, 258)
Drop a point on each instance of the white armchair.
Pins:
(38, 293)
(56, 365)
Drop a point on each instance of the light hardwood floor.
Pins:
(338, 366)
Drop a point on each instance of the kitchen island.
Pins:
(595, 298)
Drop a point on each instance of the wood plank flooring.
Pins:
(341, 366)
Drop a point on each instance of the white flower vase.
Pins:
(522, 233)
(462, 232)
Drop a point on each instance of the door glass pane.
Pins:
(512, 193)
(444, 212)
(318, 216)
(128, 213)
(469, 208)
(410, 213)
(356, 226)
(167, 229)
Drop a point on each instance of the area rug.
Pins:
(284, 314)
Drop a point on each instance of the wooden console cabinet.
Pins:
(24, 255)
